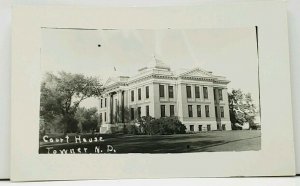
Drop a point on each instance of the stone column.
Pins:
(119, 107)
(201, 92)
(111, 103)
(122, 107)
(181, 100)
(226, 104)
(108, 105)
(217, 106)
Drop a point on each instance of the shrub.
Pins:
(125, 129)
(71, 123)
(132, 129)
(146, 126)
(171, 125)
(166, 125)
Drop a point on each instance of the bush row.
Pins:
(151, 126)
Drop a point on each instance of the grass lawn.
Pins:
(214, 141)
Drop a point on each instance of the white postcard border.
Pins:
(277, 155)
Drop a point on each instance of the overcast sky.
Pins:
(229, 52)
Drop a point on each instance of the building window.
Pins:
(147, 110)
(132, 95)
(139, 94)
(101, 103)
(190, 109)
(200, 127)
(207, 110)
(105, 102)
(208, 128)
(162, 111)
(222, 112)
(171, 92)
(132, 113)
(161, 91)
(147, 92)
(116, 111)
(192, 128)
(205, 92)
(100, 117)
(139, 112)
(105, 116)
(220, 94)
(197, 92)
(198, 110)
(188, 92)
(216, 112)
(172, 110)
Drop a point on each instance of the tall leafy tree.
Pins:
(87, 119)
(241, 108)
(61, 95)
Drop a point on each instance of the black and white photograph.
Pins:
(136, 92)
(107, 91)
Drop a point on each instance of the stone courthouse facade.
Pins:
(197, 97)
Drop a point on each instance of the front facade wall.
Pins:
(180, 101)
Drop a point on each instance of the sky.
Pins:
(229, 52)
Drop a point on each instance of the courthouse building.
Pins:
(197, 97)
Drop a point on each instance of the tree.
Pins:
(61, 95)
(146, 125)
(87, 119)
(241, 108)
